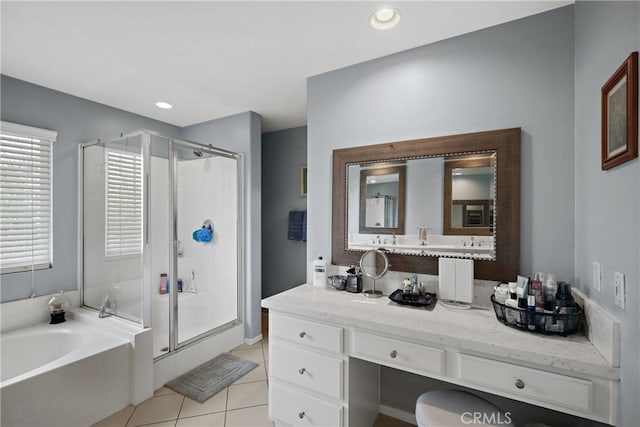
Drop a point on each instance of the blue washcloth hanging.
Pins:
(203, 235)
(304, 227)
(296, 222)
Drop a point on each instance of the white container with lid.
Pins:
(319, 267)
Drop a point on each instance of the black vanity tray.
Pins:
(549, 323)
(398, 296)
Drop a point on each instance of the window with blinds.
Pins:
(26, 195)
(123, 203)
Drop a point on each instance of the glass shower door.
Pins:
(206, 197)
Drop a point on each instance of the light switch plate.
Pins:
(620, 290)
(597, 276)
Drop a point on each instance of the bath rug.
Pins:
(204, 381)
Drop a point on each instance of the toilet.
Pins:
(452, 408)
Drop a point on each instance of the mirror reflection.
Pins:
(472, 196)
(381, 207)
(432, 206)
(382, 198)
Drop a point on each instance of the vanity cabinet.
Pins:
(326, 349)
(398, 354)
(306, 370)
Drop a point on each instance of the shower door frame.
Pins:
(174, 345)
(146, 300)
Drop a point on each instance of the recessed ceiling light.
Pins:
(384, 18)
(163, 105)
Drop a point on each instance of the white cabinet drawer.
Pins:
(314, 371)
(304, 332)
(296, 409)
(526, 382)
(396, 353)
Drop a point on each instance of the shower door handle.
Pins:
(146, 201)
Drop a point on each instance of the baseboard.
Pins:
(398, 414)
(251, 341)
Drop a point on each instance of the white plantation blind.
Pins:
(25, 197)
(123, 203)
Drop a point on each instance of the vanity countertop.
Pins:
(474, 330)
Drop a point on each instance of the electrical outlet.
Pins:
(620, 290)
(597, 276)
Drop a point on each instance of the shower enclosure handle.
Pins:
(147, 201)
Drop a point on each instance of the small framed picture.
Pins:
(303, 181)
(620, 115)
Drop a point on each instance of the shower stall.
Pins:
(160, 235)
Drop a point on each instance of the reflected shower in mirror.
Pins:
(382, 198)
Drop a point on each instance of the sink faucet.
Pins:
(395, 239)
(471, 244)
(108, 307)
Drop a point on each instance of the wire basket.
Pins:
(542, 322)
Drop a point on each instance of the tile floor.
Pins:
(242, 404)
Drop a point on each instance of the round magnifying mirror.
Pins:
(374, 264)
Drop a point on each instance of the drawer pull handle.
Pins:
(393, 354)
(301, 371)
(301, 415)
(302, 334)
(519, 384)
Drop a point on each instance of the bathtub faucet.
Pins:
(108, 307)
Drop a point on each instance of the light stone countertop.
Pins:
(474, 330)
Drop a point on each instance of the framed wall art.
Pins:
(620, 115)
(303, 181)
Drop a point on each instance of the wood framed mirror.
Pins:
(469, 195)
(382, 199)
(495, 248)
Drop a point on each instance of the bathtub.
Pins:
(70, 374)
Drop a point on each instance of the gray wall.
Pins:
(607, 202)
(80, 120)
(283, 260)
(516, 74)
(241, 133)
(75, 120)
(519, 74)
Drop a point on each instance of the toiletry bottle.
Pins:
(180, 284)
(535, 289)
(422, 289)
(522, 291)
(162, 289)
(550, 288)
(531, 313)
(414, 285)
(319, 272)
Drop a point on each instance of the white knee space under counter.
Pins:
(326, 347)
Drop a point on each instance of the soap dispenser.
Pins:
(57, 305)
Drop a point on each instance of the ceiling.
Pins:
(213, 59)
